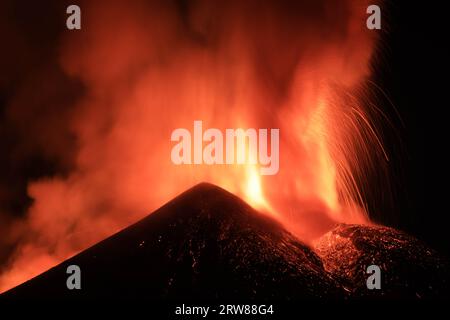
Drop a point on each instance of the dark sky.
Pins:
(414, 74)
(32, 135)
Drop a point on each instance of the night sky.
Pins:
(413, 74)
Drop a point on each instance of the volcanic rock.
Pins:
(409, 269)
(206, 244)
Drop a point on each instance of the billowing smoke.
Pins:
(92, 121)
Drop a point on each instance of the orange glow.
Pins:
(253, 191)
(237, 64)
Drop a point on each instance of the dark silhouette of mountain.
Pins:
(209, 245)
(205, 244)
(409, 268)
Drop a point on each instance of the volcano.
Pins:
(410, 269)
(209, 245)
(205, 244)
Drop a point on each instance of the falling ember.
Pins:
(151, 67)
